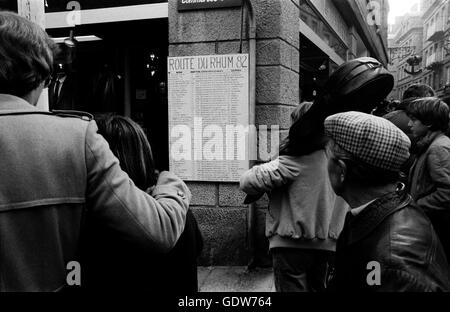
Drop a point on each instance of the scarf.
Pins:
(421, 144)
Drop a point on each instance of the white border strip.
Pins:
(314, 38)
(108, 15)
(78, 38)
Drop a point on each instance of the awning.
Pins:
(107, 15)
(313, 37)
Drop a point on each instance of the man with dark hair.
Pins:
(429, 179)
(387, 244)
(27, 57)
(58, 171)
(399, 117)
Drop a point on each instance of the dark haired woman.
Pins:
(112, 264)
(305, 215)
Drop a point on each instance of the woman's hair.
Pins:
(359, 172)
(299, 111)
(296, 115)
(26, 54)
(417, 91)
(306, 132)
(130, 145)
(431, 112)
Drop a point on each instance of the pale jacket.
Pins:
(55, 173)
(304, 211)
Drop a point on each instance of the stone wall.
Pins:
(218, 207)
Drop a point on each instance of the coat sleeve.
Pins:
(266, 177)
(154, 222)
(438, 163)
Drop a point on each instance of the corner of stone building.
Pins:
(218, 207)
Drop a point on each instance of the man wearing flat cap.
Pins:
(387, 244)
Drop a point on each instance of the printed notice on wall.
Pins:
(208, 117)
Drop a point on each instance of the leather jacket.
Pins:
(395, 234)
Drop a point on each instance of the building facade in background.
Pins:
(431, 24)
(120, 67)
(334, 31)
(407, 37)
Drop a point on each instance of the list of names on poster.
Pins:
(208, 116)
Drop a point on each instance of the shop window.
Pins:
(443, 18)
(327, 38)
(315, 26)
(448, 11)
(448, 75)
(121, 73)
(304, 18)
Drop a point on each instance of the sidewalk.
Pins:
(235, 279)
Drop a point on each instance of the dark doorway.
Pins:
(123, 71)
(8, 5)
(314, 69)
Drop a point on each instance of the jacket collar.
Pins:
(424, 143)
(10, 103)
(372, 216)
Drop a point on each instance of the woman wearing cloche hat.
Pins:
(305, 216)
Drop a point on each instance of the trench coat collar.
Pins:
(11, 103)
(360, 226)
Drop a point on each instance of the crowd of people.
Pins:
(362, 192)
(358, 202)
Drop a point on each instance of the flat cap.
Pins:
(370, 139)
